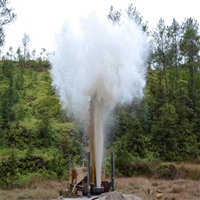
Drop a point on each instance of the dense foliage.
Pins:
(165, 124)
(36, 137)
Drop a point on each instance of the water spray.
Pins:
(104, 64)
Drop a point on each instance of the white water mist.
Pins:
(104, 62)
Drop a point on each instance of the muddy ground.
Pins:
(147, 188)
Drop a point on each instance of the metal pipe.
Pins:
(60, 197)
(70, 171)
(88, 175)
(112, 172)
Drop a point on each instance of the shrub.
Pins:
(141, 167)
(189, 172)
(167, 171)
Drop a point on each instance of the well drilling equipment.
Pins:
(82, 180)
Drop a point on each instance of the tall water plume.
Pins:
(102, 62)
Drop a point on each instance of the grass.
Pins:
(177, 189)
(154, 184)
(37, 189)
(41, 188)
(189, 171)
(171, 189)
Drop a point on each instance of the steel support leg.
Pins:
(88, 176)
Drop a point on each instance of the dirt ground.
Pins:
(150, 189)
(147, 188)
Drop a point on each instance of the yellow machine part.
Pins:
(70, 176)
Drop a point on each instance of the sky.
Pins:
(42, 19)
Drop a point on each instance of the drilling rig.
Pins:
(82, 180)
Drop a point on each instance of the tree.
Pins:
(160, 46)
(160, 50)
(26, 40)
(190, 47)
(10, 54)
(174, 33)
(19, 54)
(164, 133)
(42, 54)
(33, 54)
(129, 130)
(44, 134)
(133, 14)
(114, 15)
(6, 17)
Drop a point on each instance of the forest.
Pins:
(36, 137)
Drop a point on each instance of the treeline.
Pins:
(166, 123)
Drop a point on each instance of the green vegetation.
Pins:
(7, 16)
(36, 138)
(165, 124)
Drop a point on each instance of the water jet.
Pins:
(103, 65)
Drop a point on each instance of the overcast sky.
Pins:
(41, 19)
